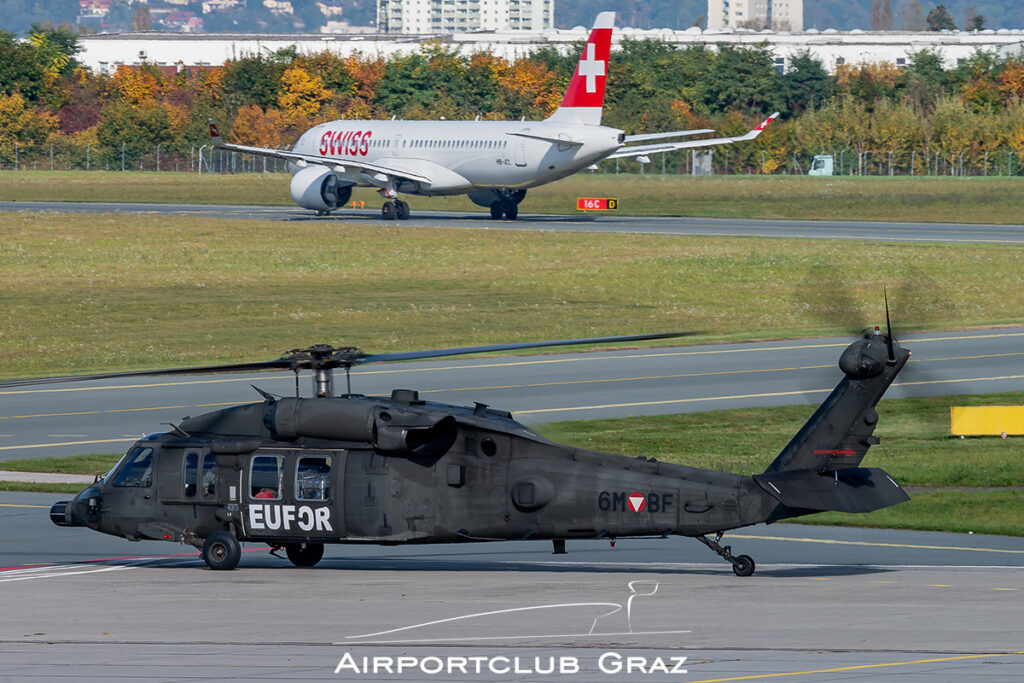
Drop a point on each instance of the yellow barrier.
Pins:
(985, 420)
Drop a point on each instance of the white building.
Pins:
(103, 52)
(451, 16)
(778, 15)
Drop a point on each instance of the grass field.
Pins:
(83, 293)
(958, 485)
(967, 200)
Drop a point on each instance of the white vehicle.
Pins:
(494, 162)
(823, 164)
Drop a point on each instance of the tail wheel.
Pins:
(743, 565)
(304, 554)
(222, 551)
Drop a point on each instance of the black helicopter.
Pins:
(297, 473)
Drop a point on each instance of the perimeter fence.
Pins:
(191, 158)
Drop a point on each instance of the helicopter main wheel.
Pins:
(222, 550)
(496, 210)
(304, 554)
(388, 211)
(401, 210)
(743, 565)
(511, 211)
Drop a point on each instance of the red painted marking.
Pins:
(213, 130)
(845, 452)
(636, 501)
(586, 89)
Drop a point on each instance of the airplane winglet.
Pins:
(215, 138)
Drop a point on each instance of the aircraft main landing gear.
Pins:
(510, 210)
(304, 554)
(395, 208)
(741, 566)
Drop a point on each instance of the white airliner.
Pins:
(493, 162)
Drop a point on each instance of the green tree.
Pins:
(254, 80)
(21, 69)
(805, 85)
(140, 130)
(939, 19)
(744, 79)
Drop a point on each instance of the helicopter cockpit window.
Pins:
(137, 469)
(266, 476)
(191, 462)
(209, 474)
(313, 478)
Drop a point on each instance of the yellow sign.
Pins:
(986, 420)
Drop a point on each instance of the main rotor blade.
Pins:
(199, 370)
(438, 353)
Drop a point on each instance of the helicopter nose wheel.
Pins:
(741, 566)
(222, 550)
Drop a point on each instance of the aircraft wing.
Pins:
(338, 164)
(640, 150)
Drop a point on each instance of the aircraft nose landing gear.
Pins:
(741, 566)
(395, 209)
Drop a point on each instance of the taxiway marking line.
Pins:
(859, 667)
(772, 394)
(14, 505)
(829, 541)
(66, 443)
(589, 357)
(89, 412)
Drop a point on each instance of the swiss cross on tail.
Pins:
(585, 94)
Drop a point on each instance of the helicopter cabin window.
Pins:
(137, 469)
(191, 471)
(313, 478)
(209, 478)
(266, 476)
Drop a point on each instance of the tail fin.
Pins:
(819, 468)
(584, 97)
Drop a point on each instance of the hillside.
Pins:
(16, 16)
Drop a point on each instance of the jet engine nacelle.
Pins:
(319, 188)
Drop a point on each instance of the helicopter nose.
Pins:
(59, 514)
(84, 510)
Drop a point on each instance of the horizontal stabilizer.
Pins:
(858, 489)
(669, 134)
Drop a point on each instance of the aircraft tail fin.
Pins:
(819, 468)
(584, 98)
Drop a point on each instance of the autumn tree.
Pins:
(254, 126)
(301, 94)
(21, 126)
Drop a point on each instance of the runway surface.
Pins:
(826, 604)
(106, 416)
(827, 229)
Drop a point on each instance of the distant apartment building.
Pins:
(450, 16)
(777, 15)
